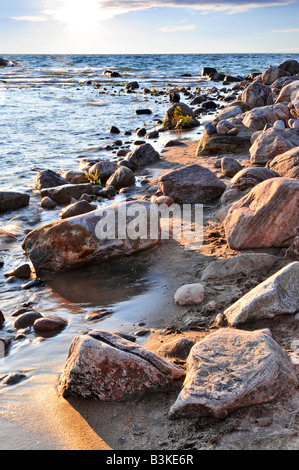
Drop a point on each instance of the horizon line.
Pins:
(147, 53)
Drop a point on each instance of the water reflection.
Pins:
(102, 285)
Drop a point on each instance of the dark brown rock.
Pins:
(64, 194)
(49, 324)
(49, 179)
(143, 155)
(81, 207)
(121, 178)
(2, 319)
(191, 184)
(12, 201)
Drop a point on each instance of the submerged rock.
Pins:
(92, 237)
(13, 379)
(266, 217)
(108, 368)
(191, 184)
(276, 296)
(233, 369)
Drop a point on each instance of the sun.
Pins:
(81, 16)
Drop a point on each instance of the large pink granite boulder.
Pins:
(271, 143)
(267, 216)
(233, 369)
(287, 164)
(108, 368)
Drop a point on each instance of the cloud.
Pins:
(171, 29)
(34, 19)
(205, 6)
(291, 30)
(105, 9)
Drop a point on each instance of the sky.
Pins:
(148, 26)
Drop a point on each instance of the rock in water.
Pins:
(267, 216)
(191, 184)
(78, 208)
(278, 295)
(91, 238)
(49, 324)
(12, 201)
(122, 178)
(64, 194)
(143, 155)
(291, 66)
(2, 319)
(49, 179)
(233, 369)
(26, 319)
(109, 368)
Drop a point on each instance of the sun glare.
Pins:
(80, 16)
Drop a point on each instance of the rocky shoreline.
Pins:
(236, 339)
